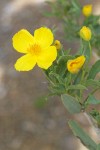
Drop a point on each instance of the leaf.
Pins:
(76, 4)
(82, 135)
(67, 52)
(87, 49)
(77, 87)
(61, 64)
(71, 103)
(67, 79)
(57, 89)
(57, 77)
(92, 100)
(95, 118)
(92, 83)
(94, 70)
(98, 147)
(64, 58)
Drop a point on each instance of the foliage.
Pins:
(72, 86)
(73, 17)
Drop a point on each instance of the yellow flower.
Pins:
(76, 64)
(37, 49)
(85, 33)
(57, 44)
(87, 10)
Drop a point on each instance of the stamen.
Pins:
(34, 49)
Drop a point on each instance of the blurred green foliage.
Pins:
(70, 14)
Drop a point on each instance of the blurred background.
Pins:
(25, 122)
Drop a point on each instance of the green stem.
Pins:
(82, 78)
(48, 78)
(90, 51)
(95, 90)
(81, 47)
(62, 51)
(91, 93)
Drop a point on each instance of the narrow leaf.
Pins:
(77, 87)
(92, 83)
(82, 135)
(92, 100)
(98, 147)
(94, 70)
(61, 64)
(71, 103)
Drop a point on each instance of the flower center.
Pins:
(34, 49)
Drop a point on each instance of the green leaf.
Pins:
(98, 147)
(57, 89)
(67, 79)
(76, 4)
(67, 52)
(94, 70)
(57, 77)
(64, 58)
(82, 135)
(92, 83)
(77, 87)
(71, 104)
(61, 64)
(87, 49)
(92, 100)
(95, 118)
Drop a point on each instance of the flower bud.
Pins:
(76, 64)
(57, 44)
(85, 33)
(87, 10)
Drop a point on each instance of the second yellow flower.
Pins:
(75, 65)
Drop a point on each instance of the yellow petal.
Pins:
(22, 40)
(76, 64)
(44, 36)
(87, 10)
(85, 33)
(25, 63)
(47, 57)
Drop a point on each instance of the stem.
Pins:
(81, 81)
(95, 90)
(90, 51)
(83, 73)
(48, 78)
(92, 92)
(82, 47)
(62, 51)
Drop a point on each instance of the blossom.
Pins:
(87, 10)
(85, 33)
(37, 49)
(76, 64)
(57, 44)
